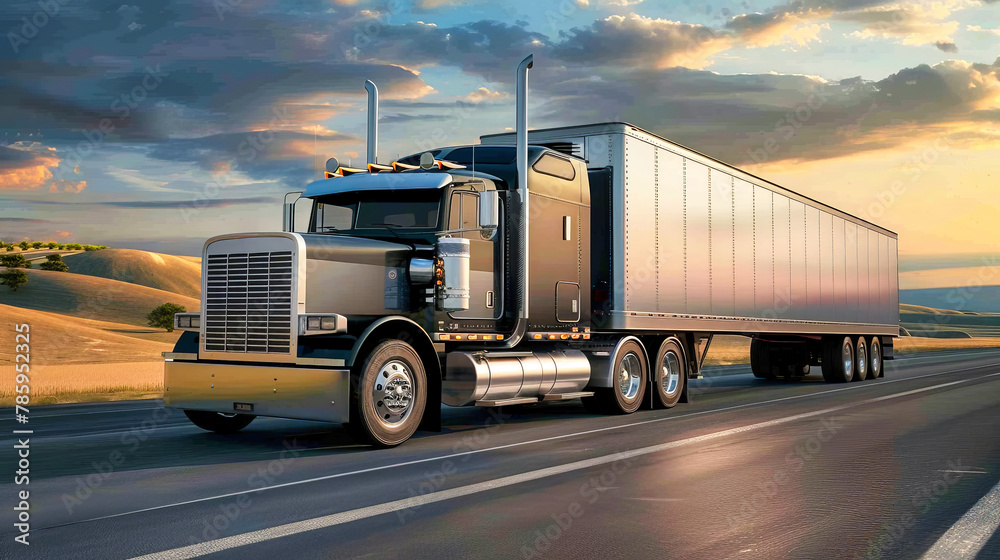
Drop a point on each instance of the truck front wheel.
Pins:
(388, 400)
(219, 422)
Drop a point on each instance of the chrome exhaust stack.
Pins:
(521, 210)
(372, 121)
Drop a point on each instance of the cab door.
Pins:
(485, 291)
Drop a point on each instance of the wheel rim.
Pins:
(846, 354)
(876, 359)
(862, 361)
(670, 373)
(629, 376)
(392, 393)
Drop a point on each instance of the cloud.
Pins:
(947, 47)
(643, 42)
(777, 28)
(26, 166)
(63, 234)
(63, 185)
(733, 117)
(483, 94)
(161, 204)
(908, 24)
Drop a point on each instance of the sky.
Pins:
(157, 125)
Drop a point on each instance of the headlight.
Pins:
(321, 323)
(187, 321)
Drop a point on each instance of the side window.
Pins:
(332, 218)
(464, 213)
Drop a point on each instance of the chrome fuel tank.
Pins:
(494, 376)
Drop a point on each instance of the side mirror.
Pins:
(288, 212)
(489, 212)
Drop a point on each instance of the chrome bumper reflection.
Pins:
(285, 392)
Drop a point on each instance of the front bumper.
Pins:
(285, 392)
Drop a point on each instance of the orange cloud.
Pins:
(62, 185)
(64, 234)
(221, 167)
(31, 169)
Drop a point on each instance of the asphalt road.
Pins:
(900, 467)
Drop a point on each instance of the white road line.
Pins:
(966, 472)
(226, 543)
(520, 443)
(95, 412)
(969, 535)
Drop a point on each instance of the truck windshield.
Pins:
(370, 210)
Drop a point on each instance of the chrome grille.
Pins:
(248, 302)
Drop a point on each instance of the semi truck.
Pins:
(590, 262)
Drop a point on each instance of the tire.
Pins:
(219, 422)
(629, 377)
(875, 362)
(388, 400)
(669, 375)
(860, 359)
(838, 359)
(760, 363)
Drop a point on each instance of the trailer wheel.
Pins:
(669, 376)
(874, 358)
(838, 359)
(387, 402)
(219, 422)
(760, 362)
(629, 376)
(860, 359)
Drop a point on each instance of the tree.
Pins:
(54, 257)
(163, 316)
(24, 245)
(37, 245)
(57, 266)
(13, 278)
(10, 248)
(14, 261)
(53, 244)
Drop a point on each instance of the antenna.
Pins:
(473, 161)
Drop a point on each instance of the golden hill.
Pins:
(58, 339)
(90, 297)
(170, 273)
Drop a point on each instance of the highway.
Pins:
(902, 467)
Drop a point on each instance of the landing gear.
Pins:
(388, 400)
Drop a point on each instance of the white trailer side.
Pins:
(700, 245)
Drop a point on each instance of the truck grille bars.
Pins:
(248, 302)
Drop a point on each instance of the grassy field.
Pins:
(66, 383)
(928, 322)
(180, 275)
(90, 297)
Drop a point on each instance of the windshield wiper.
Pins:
(390, 227)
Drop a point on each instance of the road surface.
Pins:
(902, 467)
